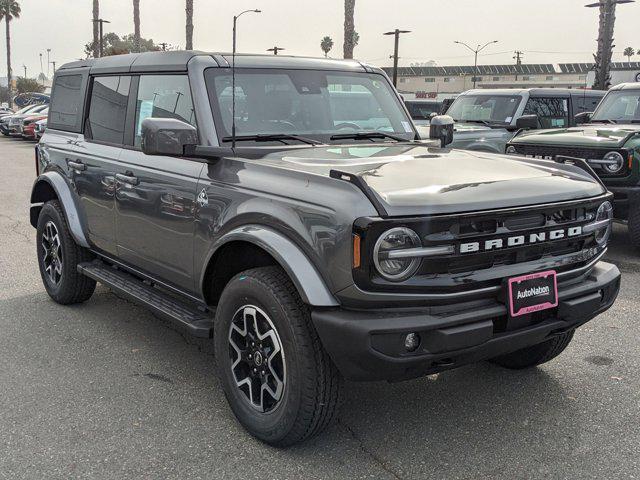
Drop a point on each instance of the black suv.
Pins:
(285, 208)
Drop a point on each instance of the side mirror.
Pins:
(527, 122)
(167, 136)
(441, 128)
(582, 118)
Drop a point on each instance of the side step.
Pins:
(194, 321)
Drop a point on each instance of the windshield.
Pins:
(485, 108)
(313, 104)
(619, 106)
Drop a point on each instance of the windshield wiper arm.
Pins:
(269, 137)
(367, 136)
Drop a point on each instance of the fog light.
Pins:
(412, 342)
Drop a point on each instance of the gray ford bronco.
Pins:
(285, 209)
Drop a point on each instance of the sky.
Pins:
(548, 31)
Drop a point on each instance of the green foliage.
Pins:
(629, 52)
(9, 9)
(114, 45)
(326, 45)
(28, 85)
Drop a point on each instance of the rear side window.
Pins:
(552, 112)
(163, 96)
(66, 103)
(108, 109)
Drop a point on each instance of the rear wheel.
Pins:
(634, 225)
(536, 354)
(279, 381)
(59, 256)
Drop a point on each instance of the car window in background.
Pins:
(619, 106)
(422, 110)
(485, 108)
(66, 103)
(585, 103)
(551, 112)
(108, 109)
(314, 104)
(163, 96)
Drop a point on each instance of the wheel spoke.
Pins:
(52, 252)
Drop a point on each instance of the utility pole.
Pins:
(605, 41)
(101, 23)
(518, 58)
(54, 67)
(476, 51)
(164, 46)
(396, 33)
(275, 50)
(25, 70)
(48, 60)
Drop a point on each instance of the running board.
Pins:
(194, 321)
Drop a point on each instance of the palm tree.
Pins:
(629, 52)
(96, 29)
(9, 9)
(326, 45)
(136, 26)
(189, 10)
(349, 27)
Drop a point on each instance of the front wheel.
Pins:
(536, 354)
(279, 381)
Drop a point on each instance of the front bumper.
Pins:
(368, 346)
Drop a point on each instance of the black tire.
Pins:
(71, 287)
(634, 225)
(536, 354)
(312, 384)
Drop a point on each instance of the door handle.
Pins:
(77, 165)
(128, 179)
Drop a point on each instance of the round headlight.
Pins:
(511, 150)
(615, 162)
(387, 256)
(605, 212)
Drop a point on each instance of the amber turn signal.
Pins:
(356, 251)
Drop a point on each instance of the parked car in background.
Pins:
(28, 128)
(487, 119)
(6, 111)
(421, 111)
(40, 128)
(11, 124)
(609, 141)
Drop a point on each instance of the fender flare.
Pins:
(302, 272)
(56, 181)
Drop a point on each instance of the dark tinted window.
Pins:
(108, 109)
(163, 96)
(552, 112)
(585, 103)
(66, 103)
(422, 110)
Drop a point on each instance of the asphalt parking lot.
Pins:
(107, 390)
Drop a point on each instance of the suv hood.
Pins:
(596, 135)
(420, 180)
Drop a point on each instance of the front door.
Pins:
(155, 195)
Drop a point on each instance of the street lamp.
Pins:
(476, 51)
(396, 33)
(233, 77)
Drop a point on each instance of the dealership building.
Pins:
(433, 82)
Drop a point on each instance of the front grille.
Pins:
(544, 151)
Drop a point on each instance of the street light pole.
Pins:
(233, 77)
(101, 23)
(396, 33)
(48, 60)
(476, 51)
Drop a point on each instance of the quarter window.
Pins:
(66, 103)
(552, 112)
(163, 96)
(108, 109)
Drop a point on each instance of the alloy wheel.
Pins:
(52, 258)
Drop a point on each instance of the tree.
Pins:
(189, 11)
(356, 39)
(114, 45)
(4, 94)
(629, 52)
(28, 85)
(9, 10)
(349, 27)
(136, 26)
(96, 29)
(326, 45)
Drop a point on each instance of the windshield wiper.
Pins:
(367, 136)
(484, 122)
(272, 137)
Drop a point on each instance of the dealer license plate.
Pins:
(532, 293)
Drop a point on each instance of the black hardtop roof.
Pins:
(178, 61)
(536, 92)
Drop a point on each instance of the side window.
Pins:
(108, 109)
(163, 96)
(66, 103)
(552, 112)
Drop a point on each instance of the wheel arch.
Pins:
(52, 186)
(255, 246)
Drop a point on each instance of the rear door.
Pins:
(156, 195)
(552, 111)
